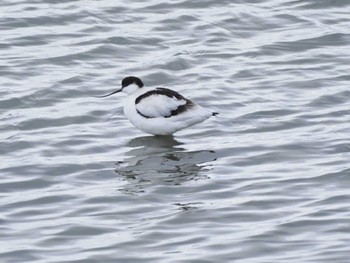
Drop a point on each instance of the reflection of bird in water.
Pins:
(147, 145)
(161, 160)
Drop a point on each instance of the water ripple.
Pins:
(265, 181)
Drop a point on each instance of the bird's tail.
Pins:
(215, 113)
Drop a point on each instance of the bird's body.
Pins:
(159, 111)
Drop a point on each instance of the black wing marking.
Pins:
(180, 108)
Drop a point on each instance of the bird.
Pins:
(159, 111)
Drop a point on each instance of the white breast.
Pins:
(158, 107)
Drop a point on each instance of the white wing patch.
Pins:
(158, 105)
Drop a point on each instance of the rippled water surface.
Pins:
(265, 181)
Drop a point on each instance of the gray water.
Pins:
(265, 181)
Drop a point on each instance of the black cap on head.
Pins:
(132, 80)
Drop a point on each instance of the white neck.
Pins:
(130, 89)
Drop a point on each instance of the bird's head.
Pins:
(129, 85)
